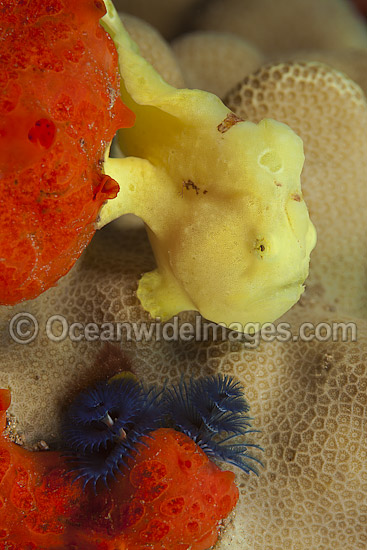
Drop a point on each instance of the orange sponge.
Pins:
(171, 496)
(59, 108)
(175, 497)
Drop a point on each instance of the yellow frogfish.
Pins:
(221, 199)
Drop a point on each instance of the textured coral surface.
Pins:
(59, 108)
(200, 55)
(307, 398)
(287, 26)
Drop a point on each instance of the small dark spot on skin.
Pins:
(205, 191)
(230, 120)
(296, 197)
(189, 184)
(278, 184)
(260, 247)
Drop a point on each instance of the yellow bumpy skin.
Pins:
(221, 199)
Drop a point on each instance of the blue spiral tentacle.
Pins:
(104, 425)
(98, 415)
(209, 409)
(179, 408)
(221, 390)
(221, 404)
(234, 452)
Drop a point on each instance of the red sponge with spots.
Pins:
(59, 108)
(176, 498)
(172, 497)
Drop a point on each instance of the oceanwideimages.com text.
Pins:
(24, 329)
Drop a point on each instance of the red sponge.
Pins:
(175, 497)
(171, 497)
(59, 108)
